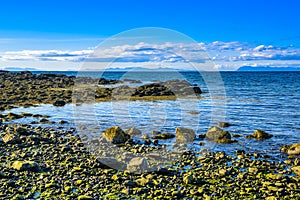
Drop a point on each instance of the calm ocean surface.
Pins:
(253, 100)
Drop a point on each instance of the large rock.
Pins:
(294, 149)
(185, 135)
(116, 135)
(26, 166)
(296, 170)
(138, 164)
(216, 133)
(260, 135)
(291, 149)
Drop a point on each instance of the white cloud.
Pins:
(225, 55)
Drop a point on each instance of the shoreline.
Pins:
(55, 162)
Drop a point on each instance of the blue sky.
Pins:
(81, 25)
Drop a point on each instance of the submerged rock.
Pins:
(163, 136)
(185, 135)
(116, 135)
(59, 103)
(224, 124)
(260, 135)
(133, 131)
(26, 166)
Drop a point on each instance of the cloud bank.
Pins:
(225, 55)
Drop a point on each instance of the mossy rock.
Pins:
(26, 166)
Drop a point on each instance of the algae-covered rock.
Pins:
(218, 135)
(11, 138)
(163, 136)
(116, 135)
(26, 166)
(185, 135)
(296, 170)
(293, 149)
(260, 135)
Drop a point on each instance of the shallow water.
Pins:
(254, 100)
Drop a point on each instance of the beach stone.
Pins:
(217, 134)
(293, 149)
(185, 135)
(85, 197)
(116, 135)
(224, 124)
(11, 138)
(26, 166)
(261, 135)
(138, 164)
(59, 103)
(112, 163)
(296, 170)
(133, 131)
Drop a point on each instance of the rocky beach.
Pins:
(43, 161)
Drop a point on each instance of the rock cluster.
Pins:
(27, 89)
(47, 163)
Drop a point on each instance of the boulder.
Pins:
(138, 164)
(59, 103)
(260, 135)
(133, 131)
(296, 170)
(291, 149)
(26, 166)
(216, 134)
(185, 135)
(116, 135)
(163, 136)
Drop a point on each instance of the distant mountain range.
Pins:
(138, 69)
(250, 68)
